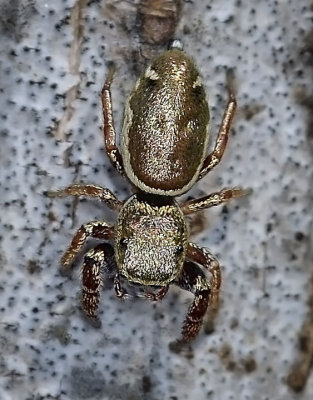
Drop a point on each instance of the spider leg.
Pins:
(215, 157)
(206, 292)
(202, 256)
(193, 279)
(155, 296)
(119, 290)
(94, 191)
(108, 125)
(96, 261)
(96, 229)
(213, 199)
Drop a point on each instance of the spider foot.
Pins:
(94, 321)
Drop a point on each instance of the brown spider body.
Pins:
(166, 123)
(164, 143)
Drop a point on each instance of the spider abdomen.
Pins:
(165, 130)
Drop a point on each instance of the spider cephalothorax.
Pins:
(150, 242)
(164, 143)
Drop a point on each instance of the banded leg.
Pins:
(96, 229)
(193, 279)
(215, 157)
(108, 125)
(94, 191)
(203, 257)
(213, 199)
(96, 262)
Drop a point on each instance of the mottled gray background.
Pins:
(53, 60)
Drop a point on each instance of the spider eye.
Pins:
(179, 249)
(123, 242)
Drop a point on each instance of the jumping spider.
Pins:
(164, 142)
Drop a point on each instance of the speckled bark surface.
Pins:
(54, 57)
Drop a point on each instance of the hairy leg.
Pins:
(213, 199)
(202, 256)
(193, 279)
(119, 290)
(96, 229)
(93, 191)
(96, 262)
(108, 125)
(215, 157)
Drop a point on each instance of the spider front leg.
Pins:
(96, 229)
(93, 191)
(215, 157)
(108, 125)
(202, 256)
(193, 279)
(206, 292)
(96, 261)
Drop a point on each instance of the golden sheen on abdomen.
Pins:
(166, 126)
